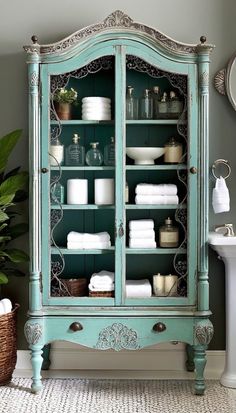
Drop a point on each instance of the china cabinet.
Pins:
(106, 60)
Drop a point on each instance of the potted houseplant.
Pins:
(12, 190)
(63, 100)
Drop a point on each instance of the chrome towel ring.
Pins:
(221, 162)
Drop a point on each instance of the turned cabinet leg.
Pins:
(190, 358)
(46, 357)
(199, 362)
(36, 360)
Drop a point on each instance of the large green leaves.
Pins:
(3, 278)
(14, 183)
(7, 144)
(15, 255)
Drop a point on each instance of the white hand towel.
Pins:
(142, 243)
(145, 233)
(154, 189)
(104, 287)
(88, 245)
(157, 199)
(138, 288)
(220, 196)
(141, 224)
(102, 277)
(82, 237)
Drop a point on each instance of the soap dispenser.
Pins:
(75, 152)
(94, 156)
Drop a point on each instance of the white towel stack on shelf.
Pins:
(142, 234)
(102, 281)
(138, 288)
(79, 240)
(162, 194)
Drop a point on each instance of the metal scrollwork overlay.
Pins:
(117, 337)
(33, 332)
(204, 333)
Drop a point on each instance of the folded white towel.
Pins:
(102, 277)
(220, 196)
(156, 189)
(157, 199)
(141, 224)
(88, 245)
(142, 243)
(101, 287)
(145, 233)
(138, 288)
(85, 237)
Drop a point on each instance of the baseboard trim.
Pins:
(163, 363)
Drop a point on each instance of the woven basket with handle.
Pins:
(8, 347)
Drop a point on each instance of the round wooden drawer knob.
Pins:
(193, 170)
(76, 327)
(159, 327)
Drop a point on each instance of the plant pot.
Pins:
(8, 349)
(63, 110)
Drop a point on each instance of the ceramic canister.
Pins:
(104, 191)
(77, 191)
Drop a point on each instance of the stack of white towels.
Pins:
(142, 234)
(138, 288)
(79, 240)
(156, 194)
(102, 281)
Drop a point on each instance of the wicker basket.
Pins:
(77, 287)
(8, 345)
(101, 293)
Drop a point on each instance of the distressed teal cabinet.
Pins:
(102, 60)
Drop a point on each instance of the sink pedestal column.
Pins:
(228, 377)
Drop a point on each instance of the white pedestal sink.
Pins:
(226, 249)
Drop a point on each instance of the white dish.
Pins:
(96, 105)
(144, 155)
(96, 99)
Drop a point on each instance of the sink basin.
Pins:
(144, 155)
(226, 249)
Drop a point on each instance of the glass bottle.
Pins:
(109, 153)
(173, 151)
(131, 104)
(168, 235)
(175, 106)
(156, 94)
(146, 105)
(57, 193)
(56, 152)
(94, 156)
(163, 106)
(75, 152)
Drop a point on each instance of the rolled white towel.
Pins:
(102, 277)
(138, 288)
(141, 224)
(88, 245)
(156, 189)
(157, 199)
(105, 287)
(142, 243)
(86, 237)
(144, 233)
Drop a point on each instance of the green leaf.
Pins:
(5, 238)
(5, 200)
(12, 172)
(16, 255)
(3, 216)
(7, 143)
(14, 183)
(18, 230)
(20, 196)
(3, 278)
(3, 226)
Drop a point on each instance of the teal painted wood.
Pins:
(84, 207)
(65, 251)
(169, 206)
(156, 167)
(84, 168)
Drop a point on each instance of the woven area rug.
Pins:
(115, 396)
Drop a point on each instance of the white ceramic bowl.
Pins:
(96, 99)
(144, 156)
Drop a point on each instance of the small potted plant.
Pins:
(63, 100)
(12, 190)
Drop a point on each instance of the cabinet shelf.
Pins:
(72, 122)
(83, 168)
(65, 251)
(154, 122)
(84, 207)
(148, 206)
(156, 167)
(158, 251)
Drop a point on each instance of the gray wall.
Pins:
(183, 20)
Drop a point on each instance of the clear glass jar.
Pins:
(156, 94)
(75, 152)
(131, 104)
(168, 235)
(57, 193)
(94, 156)
(56, 152)
(163, 106)
(175, 107)
(173, 151)
(146, 105)
(109, 153)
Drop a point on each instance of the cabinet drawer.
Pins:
(118, 333)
